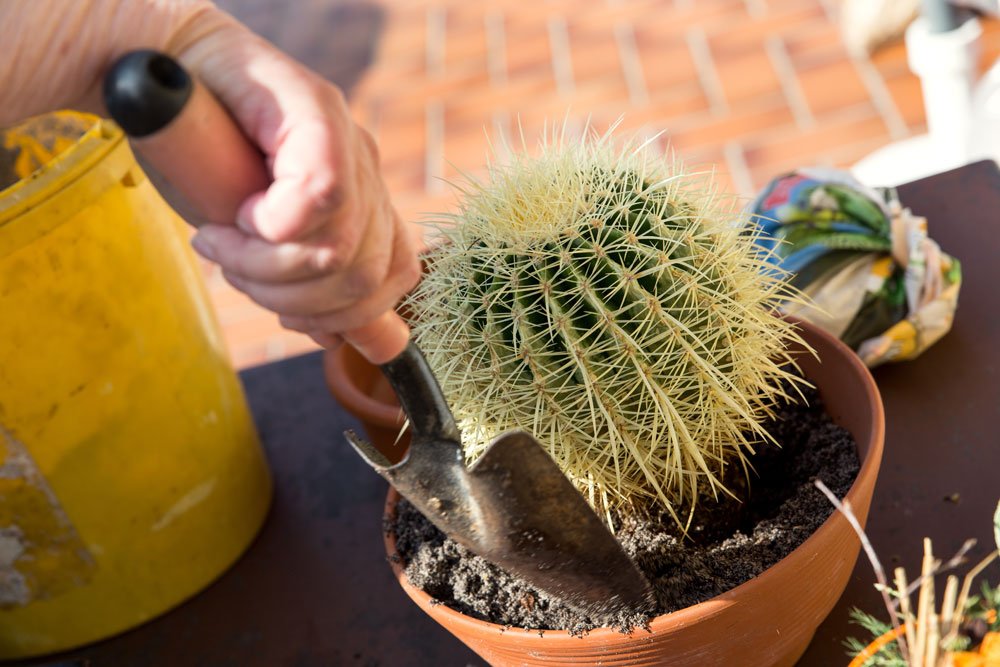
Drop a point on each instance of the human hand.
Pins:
(322, 246)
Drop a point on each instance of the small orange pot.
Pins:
(765, 622)
(877, 645)
(988, 654)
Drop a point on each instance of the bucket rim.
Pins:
(63, 169)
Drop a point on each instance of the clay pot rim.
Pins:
(866, 476)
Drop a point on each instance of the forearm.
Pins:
(55, 51)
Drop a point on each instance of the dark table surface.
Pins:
(314, 589)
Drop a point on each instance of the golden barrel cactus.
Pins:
(616, 308)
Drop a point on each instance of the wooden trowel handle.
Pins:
(183, 131)
(190, 138)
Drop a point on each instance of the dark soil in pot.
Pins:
(728, 543)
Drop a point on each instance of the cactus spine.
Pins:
(614, 307)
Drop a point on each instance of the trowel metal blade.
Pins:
(534, 523)
(513, 507)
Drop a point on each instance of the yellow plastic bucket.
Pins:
(130, 471)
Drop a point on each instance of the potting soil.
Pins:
(729, 541)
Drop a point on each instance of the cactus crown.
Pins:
(611, 305)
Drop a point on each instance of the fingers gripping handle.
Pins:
(189, 137)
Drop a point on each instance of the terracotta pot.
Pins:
(765, 622)
(364, 392)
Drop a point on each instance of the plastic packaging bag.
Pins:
(872, 275)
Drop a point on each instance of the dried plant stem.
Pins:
(923, 640)
(963, 597)
(952, 563)
(925, 602)
(883, 584)
(933, 640)
(904, 605)
(948, 610)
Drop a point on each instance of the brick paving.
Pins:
(749, 88)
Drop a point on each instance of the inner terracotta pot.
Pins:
(363, 391)
(765, 622)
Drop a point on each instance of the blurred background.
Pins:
(748, 88)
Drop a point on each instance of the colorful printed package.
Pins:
(872, 275)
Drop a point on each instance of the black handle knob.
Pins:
(145, 90)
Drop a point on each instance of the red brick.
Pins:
(843, 157)
(747, 122)
(793, 146)
(746, 75)
(666, 60)
(528, 50)
(832, 86)
(666, 109)
(814, 45)
(907, 95)
(465, 48)
(738, 35)
(707, 14)
(595, 54)
(890, 59)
